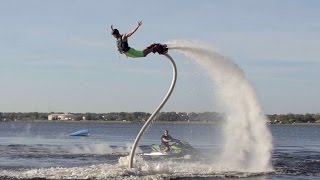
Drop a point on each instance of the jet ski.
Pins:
(177, 149)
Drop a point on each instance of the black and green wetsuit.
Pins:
(124, 48)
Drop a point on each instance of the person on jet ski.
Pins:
(165, 139)
(124, 48)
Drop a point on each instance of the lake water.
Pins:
(45, 150)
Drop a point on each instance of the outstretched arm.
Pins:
(166, 140)
(133, 30)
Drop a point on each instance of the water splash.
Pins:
(96, 148)
(143, 170)
(247, 140)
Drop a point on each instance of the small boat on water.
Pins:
(82, 132)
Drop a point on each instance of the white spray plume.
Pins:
(247, 140)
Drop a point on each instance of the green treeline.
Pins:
(163, 116)
(117, 116)
(294, 118)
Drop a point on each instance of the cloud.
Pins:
(284, 71)
(285, 46)
(48, 61)
(90, 43)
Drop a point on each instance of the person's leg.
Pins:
(167, 148)
(147, 51)
(134, 53)
(161, 49)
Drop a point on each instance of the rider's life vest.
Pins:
(122, 45)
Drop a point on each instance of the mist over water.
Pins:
(247, 142)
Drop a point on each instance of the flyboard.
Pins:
(162, 49)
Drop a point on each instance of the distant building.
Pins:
(64, 117)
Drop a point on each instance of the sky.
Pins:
(59, 56)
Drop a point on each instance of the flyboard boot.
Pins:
(159, 48)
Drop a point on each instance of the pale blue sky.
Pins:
(59, 55)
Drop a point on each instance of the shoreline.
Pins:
(164, 122)
(97, 121)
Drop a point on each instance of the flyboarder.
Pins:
(124, 48)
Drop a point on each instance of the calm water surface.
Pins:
(45, 149)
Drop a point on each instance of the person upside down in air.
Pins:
(124, 48)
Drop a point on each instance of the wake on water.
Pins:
(247, 140)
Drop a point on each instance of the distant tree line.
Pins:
(163, 116)
(117, 116)
(294, 118)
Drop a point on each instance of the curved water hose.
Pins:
(174, 78)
